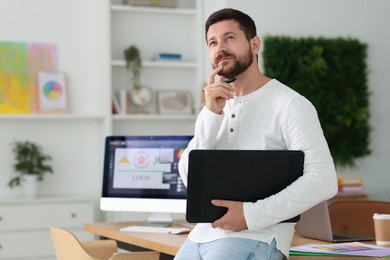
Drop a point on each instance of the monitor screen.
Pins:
(141, 174)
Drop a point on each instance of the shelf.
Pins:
(153, 10)
(158, 64)
(179, 33)
(43, 199)
(154, 117)
(50, 117)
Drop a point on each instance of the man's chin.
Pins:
(227, 74)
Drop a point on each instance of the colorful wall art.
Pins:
(20, 63)
(52, 93)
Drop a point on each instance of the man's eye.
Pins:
(211, 43)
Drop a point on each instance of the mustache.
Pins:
(221, 55)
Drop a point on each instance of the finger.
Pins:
(220, 93)
(221, 87)
(223, 82)
(212, 75)
(219, 203)
(217, 224)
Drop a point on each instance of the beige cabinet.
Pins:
(24, 224)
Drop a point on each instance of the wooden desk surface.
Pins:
(165, 243)
(170, 244)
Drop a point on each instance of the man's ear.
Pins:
(255, 44)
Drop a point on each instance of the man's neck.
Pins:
(249, 81)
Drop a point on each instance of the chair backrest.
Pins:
(355, 216)
(67, 246)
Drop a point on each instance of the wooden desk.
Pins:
(165, 243)
(170, 244)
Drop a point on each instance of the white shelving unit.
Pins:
(60, 117)
(74, 140)
(90, 52)
(90, 49)
(154, 30)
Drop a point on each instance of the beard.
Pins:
(240, 64)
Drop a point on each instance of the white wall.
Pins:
(362, 19)
(75, 143)
(71, 25)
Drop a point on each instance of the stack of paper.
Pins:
(341, 249)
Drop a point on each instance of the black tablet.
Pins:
(239, 175)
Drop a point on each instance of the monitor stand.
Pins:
(158, 219)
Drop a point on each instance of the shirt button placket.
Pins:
(233, 124)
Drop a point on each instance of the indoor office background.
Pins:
(81, 31)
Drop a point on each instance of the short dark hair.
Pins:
(245, 22)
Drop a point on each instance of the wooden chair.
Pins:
(67, 246)
(355, 216)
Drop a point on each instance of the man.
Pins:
(254, 112)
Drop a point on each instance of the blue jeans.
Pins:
(229, 248)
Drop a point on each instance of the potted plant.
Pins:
(31, 163)
(134, 64)
(141, 95)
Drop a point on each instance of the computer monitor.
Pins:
(141, 175)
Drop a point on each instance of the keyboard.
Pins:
(163, 230)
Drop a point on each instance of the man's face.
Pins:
(229, 48)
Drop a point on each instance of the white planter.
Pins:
(30, 186)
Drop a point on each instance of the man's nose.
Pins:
(221, 48)
(221, 51)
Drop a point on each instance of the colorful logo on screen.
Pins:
(141, 160)
(52, 90)
(179, 153)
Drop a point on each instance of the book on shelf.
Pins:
(347, 189)
(157, 3)
(120, 102)
(116, 109)
(350, 184)
(164, 56)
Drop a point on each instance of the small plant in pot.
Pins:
(141, 95)
(31, 162)
(134, 64)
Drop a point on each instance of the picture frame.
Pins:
(52, 92)
(174, 102)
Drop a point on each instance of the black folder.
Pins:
(239, 175)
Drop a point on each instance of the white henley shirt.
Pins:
(274, 117)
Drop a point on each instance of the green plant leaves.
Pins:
(30, 159)
(133, 63)
(332, 74)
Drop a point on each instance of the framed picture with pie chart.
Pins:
(52, 92)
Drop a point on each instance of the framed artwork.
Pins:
(52, 92)
(20, 63)
(174, 102)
